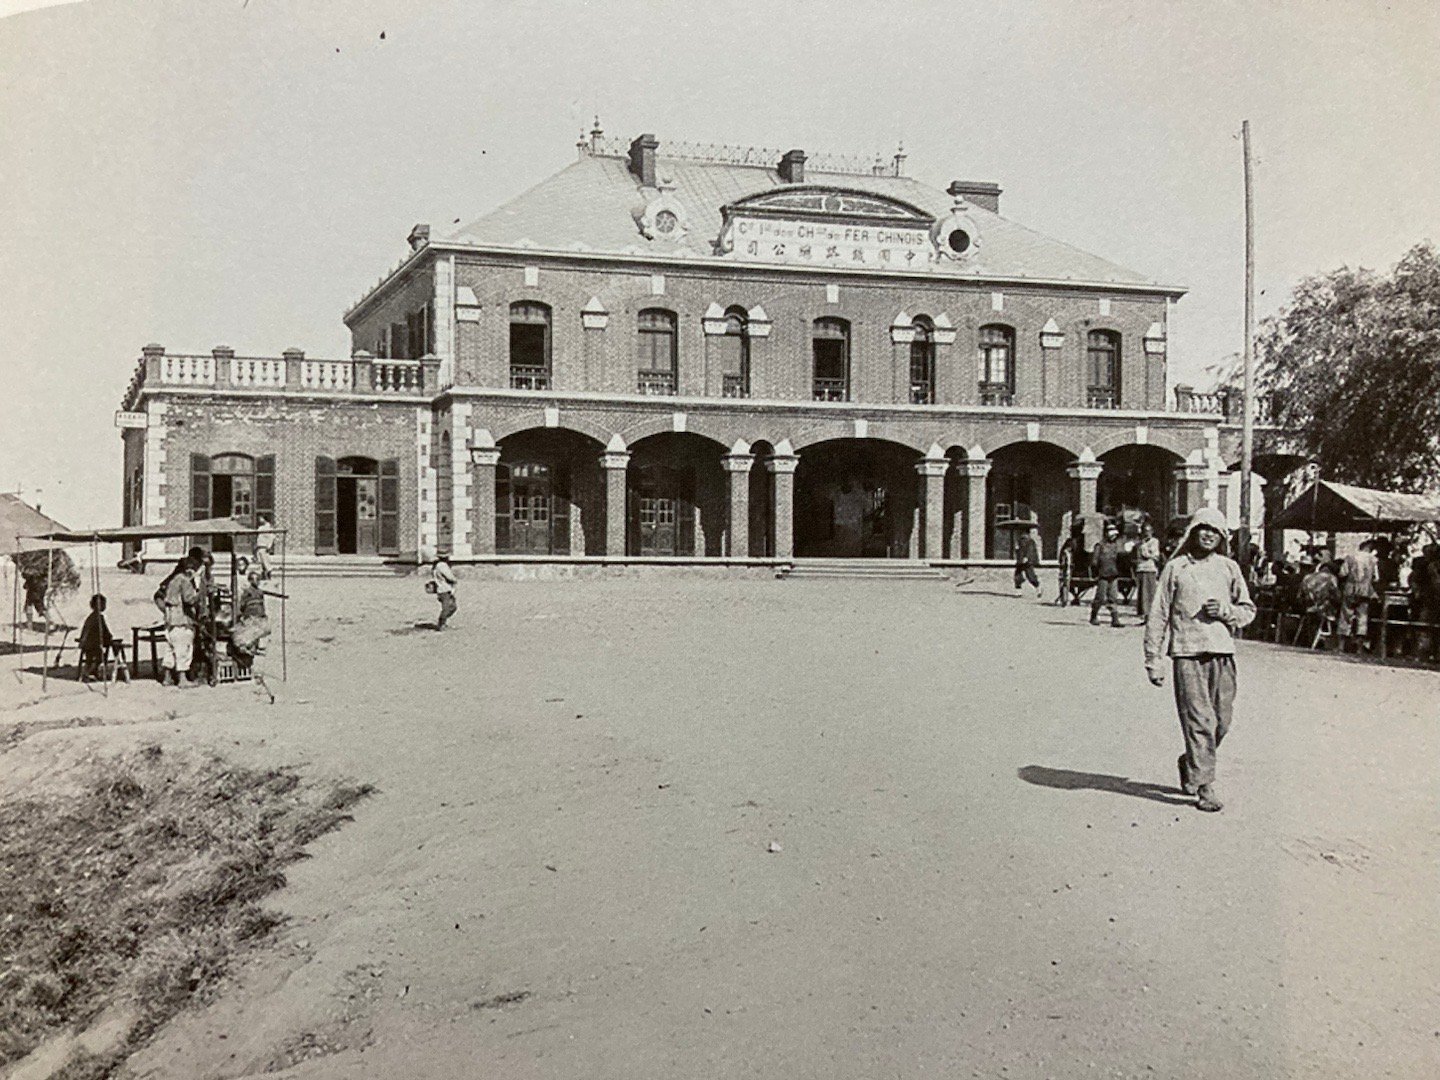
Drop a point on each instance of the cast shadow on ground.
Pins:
(1070, 780)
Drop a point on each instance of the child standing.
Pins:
(1200, 601)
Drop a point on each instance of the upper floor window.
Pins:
(830, 341)
(1102, 365)
(997, 365)
(734, 347)
(922, 363)
(529, 346)
(420, 332)
(655, 357)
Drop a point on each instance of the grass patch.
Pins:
(138, 888)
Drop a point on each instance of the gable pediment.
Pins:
(815, 202)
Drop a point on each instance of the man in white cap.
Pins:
(1200, 601)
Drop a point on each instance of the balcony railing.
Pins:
(292, 372)
(1227, 401)
(1101, 397)
(656, 383)
(922, 393)
(735, 386)
(830, 390)
(996, 394)
(529, 377)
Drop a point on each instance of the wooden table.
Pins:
(154, 636)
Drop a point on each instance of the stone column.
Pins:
(615, 463)
(782, 468)
(1190, 484)
(932, 473)
(738, 468)
(1086, 475)
(483, 462)
(975, 471)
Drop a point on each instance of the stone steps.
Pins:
(863, 569)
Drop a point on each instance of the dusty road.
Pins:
(984, 867)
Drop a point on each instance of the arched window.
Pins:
(529, 346)
(922, 362)
(235, 486)
(997, 365)
(830, 342)
(655, 352)
(734, 346)
(1102, 353)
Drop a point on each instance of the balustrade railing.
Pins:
(256, 371)
(996, 394)
(327, 374)
(829, 390)
(1227, 401)
(735, 386)
(656, 383)
(1101, 398)
(922, 393)
(290, 372)
(529, 377)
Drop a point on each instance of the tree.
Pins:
(1352, 365)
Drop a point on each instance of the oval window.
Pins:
(959, 241)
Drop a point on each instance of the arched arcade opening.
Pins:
(856, 498)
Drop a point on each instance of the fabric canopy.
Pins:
(19, 519)
(1326, 506)
(203, 527)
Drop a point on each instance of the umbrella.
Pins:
(1018, 524)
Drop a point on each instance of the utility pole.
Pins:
(1247, 427)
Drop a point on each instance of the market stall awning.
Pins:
(18, 521)
(203, 527)
(1326, 506)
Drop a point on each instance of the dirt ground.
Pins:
(981, 866)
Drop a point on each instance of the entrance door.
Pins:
(664, 511)
(357, 504)
(539, 509)
(367, 515)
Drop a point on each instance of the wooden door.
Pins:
(665, 511)
(367, 515)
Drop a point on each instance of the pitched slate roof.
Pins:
(592, 206)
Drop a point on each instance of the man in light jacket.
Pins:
(1200, 601)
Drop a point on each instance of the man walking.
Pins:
(1147, 567)
(1105, 566)
(1358, 574)
(1200, 601)
(1027, 558)
(444, 579)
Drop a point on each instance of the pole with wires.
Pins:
(1247, 424)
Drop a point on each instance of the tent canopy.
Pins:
(203, 527)
(1326, 506)
(19, 519)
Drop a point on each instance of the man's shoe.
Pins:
(185, 682)
(1186, 784)
(1094, 620)
(1207, 801)
(167, 676)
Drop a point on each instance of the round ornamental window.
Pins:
(665, 222)
(832, 203)
(959, 241)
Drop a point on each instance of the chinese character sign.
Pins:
(818, 243)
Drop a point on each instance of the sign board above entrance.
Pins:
(810, 226)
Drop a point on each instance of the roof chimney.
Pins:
(792, 167)
(980, 193)
(642, 159)
(419, 237)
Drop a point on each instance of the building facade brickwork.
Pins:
(608, 368)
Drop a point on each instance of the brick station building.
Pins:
(698, 353)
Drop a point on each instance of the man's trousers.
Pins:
(1205, 700)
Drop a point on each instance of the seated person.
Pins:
(252, 625)
(97, 643)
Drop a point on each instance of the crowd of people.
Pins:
(196, 619)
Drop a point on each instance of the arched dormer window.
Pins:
(529, 346)
(997, 365)
(922, 362)
(655, 347)
(1102, 369)
(734, 346)
(830, 347)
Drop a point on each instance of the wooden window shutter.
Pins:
(502, 507)
(390, 507)
(325, 540)
(199, 487)
(265, 488)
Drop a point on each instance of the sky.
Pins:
(239, 172)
